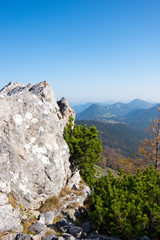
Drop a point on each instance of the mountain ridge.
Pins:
(121, 113)
(81, 107)
(141, 118)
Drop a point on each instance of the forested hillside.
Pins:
(137, 113)
(104, 113)
(118, 141)
(141, 118)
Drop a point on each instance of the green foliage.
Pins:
(127, 206)
(85, 149)
(118, 141)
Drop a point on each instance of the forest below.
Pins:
(119, 141)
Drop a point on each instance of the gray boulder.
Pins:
(22, 236)
(62, 226)
(86, 227)
(68, 236)
(49, 216)
(3, 199)
(34, 156)
(37, 227)
(37, 237)
(9, 219)
(51, 237)
(75, 231)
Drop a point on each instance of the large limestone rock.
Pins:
(33, 154)
(9, 219)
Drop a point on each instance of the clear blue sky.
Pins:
(89, 50)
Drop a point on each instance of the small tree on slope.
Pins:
(150, 148)
(85, 149)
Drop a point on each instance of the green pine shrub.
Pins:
(127, 206)
(85, 149)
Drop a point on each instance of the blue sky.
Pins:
(89, 50)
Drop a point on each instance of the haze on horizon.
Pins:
(89, 50)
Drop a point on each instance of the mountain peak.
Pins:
(139, 103)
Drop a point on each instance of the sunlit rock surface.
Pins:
(34, 158)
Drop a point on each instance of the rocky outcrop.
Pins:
(34, 158)
(35, 167)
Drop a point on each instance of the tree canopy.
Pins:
(85, 149)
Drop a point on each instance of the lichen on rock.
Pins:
(34, 157)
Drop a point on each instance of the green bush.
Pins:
(127, 206)
(85, 149)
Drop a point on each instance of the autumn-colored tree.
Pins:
(130, 164)
(150, 148)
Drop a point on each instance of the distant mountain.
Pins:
(104, 113)
(141, 118)
(109, 102)
(82, 107)
(117, 112)
(93, 112)
(118, 109)
(118, 140)
(138, 103)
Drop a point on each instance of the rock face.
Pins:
(33, 154)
